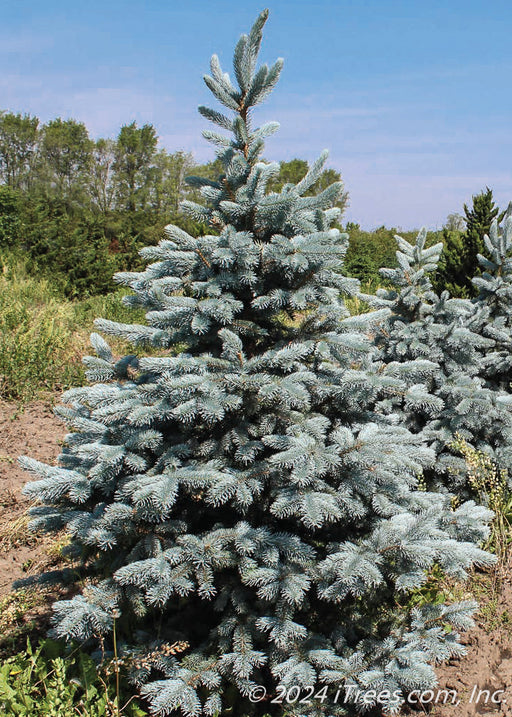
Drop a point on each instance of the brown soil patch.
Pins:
(36, 432)
(482, 679)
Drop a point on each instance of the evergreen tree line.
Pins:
(257, 493)
(82, 209)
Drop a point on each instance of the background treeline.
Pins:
(78, 210)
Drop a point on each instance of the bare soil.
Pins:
(36, 432)
(482, 680)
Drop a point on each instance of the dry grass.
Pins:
(15, 533)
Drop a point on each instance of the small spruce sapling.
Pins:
(243, 494)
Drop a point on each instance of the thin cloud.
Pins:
(25, 44)
(414, 200)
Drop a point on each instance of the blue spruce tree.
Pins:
(494, 287)
(441, 348)
(244, 493)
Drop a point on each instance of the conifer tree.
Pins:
(243, 494)
(450, 273)
(459, 263)
(494, 287)
(439, 347)
(478, 223)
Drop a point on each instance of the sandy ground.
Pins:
(481, 681)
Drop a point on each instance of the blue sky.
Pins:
(413, 99)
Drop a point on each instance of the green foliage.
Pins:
(18, 143)
(168, 178)
(450, 273)
(82, 210)
(369, 251)
(10, 220)
(52, 681)
(478, 223)
(42, 334)
(69, 246)
(459, 261)
(100, 181)
(65, 154)
(134, 152)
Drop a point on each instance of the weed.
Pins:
(55, 550)
(14, 607)
(490, 484)
(51, 681)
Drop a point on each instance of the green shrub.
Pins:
(69, 246)
(369, 251)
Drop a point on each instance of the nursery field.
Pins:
(43, 339)
(284, 488)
